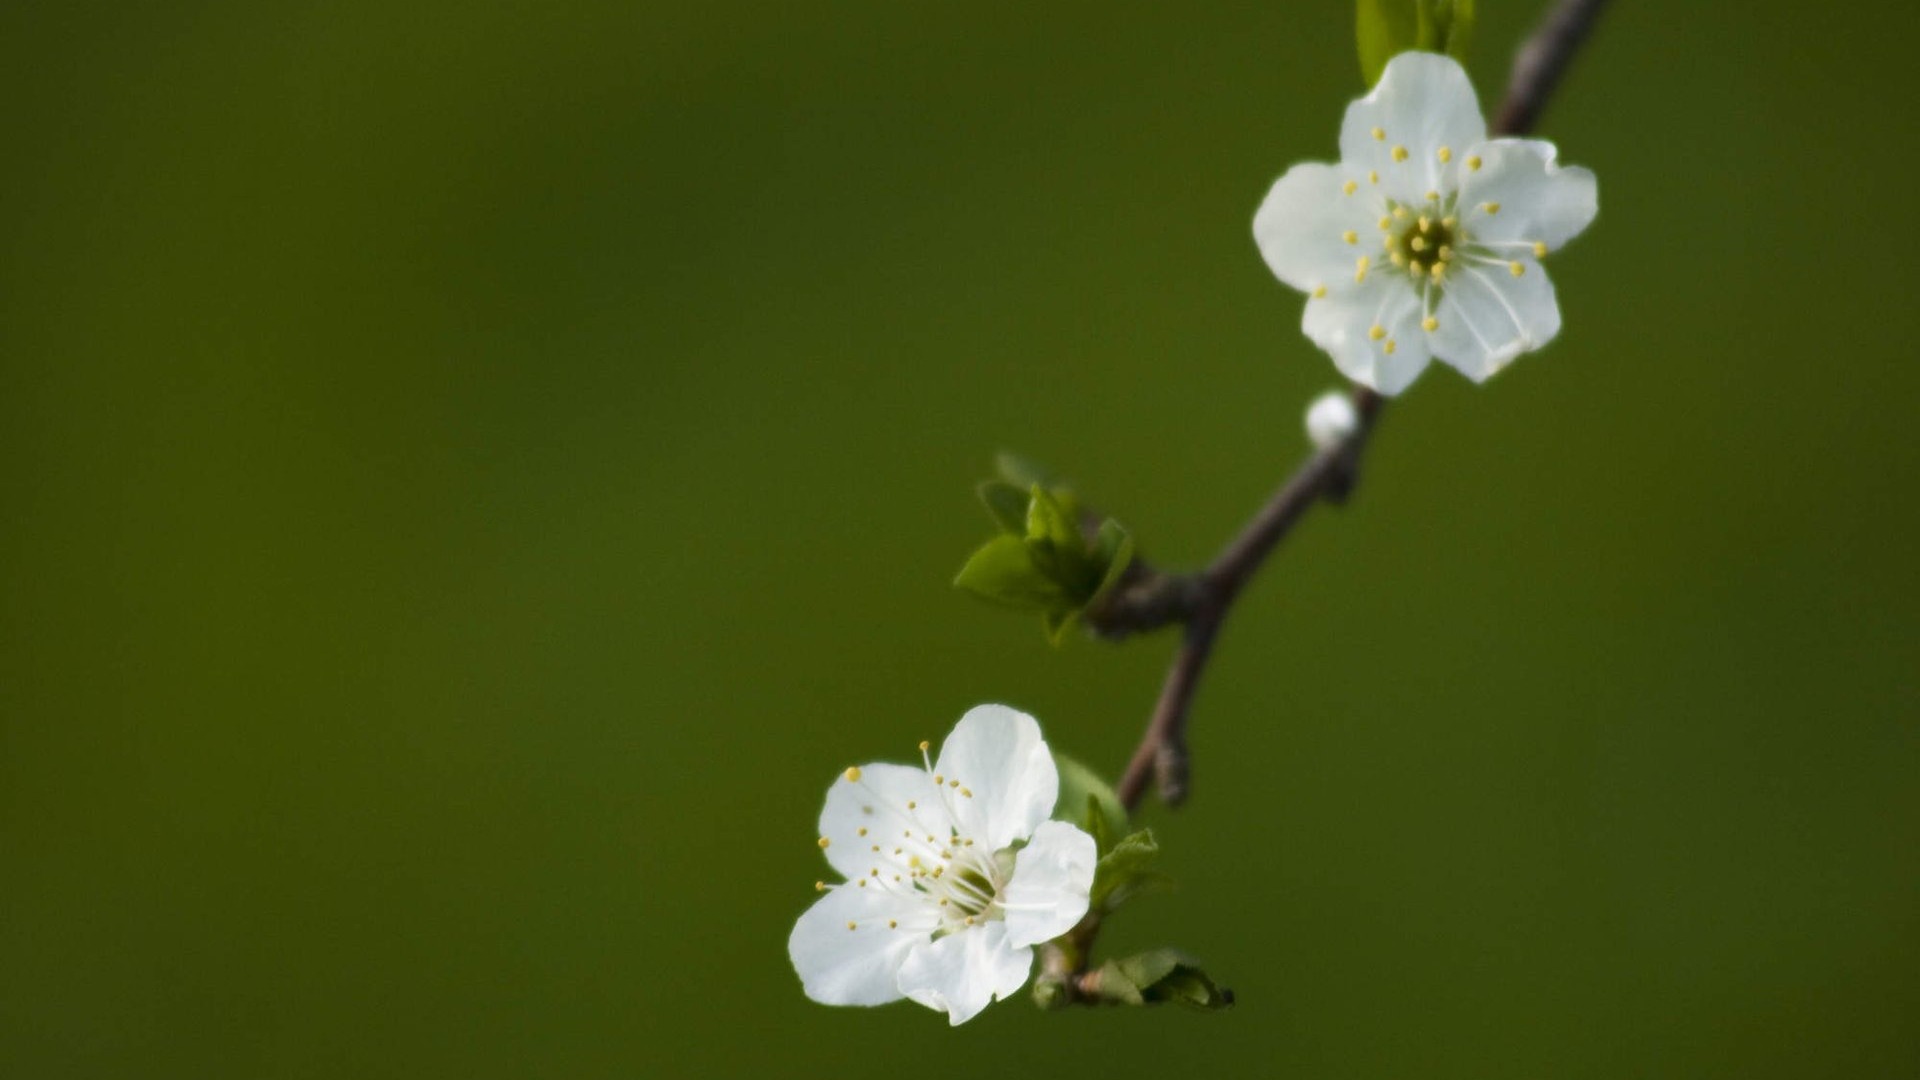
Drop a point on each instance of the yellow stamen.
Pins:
(819, 886)
(1350, 187)
(1417, 243)
(853, 926)
(1372, 177)
(1399, 153)
(1516, 269)
(1490, 207)
(1377, 332)
(1319, 292)
(1425, 223)
(1445, 155)
(1390, 346)
(1539, 250)
(1350, 236)
(1360, 269)
(853, 774)
(893, 924)
(1473, 163)
(1429, 324)
(1379, 135)
(1386, 221)
(824, 842)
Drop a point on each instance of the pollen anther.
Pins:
(1516, 268)
(1350, 187)
(1379, 135)
(1429, 324)
(1399, 153)
(1473, 163)
(1350, 236)
(1445, 155)
(1377, 332)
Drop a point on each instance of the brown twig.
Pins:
(1150, 599)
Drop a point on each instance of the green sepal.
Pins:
(1086, 800)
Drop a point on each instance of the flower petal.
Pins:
(885, 801)
(963, 972)
(1423, 103)
(1343, 324)
(1488, 317)
(1303, 224)
(1539, 202)
(838, 966)
(1052, 878)
(1007, 779)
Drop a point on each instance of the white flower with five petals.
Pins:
(953, 873)
(1426, 240)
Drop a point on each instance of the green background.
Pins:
(474, 472)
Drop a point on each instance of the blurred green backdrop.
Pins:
(474, 472)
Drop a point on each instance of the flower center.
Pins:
(1423, 240)
(918, 849)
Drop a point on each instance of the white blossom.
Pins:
(1331, 418)
(953, 873)
(1426, 240)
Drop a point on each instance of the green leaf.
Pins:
(1387, 28)
(1058, 623)
(1169, 975)
(1047, 520)
(1384, 29)
(1086, 800)
(1053, 538)
(1446, 26)
(1125, 870)
(1004, 572)
(1007, 503)
(1023, 473)
(1113, 552)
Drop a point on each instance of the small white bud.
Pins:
(1331, 418)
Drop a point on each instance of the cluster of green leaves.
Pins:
(1043, 560)
(1125, 870)
(1388, 28)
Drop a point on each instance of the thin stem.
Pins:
(1201, 601)
(1542, 59)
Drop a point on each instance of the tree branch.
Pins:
(1149, 599)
